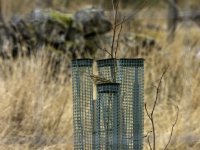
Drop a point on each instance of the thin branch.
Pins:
(153, 109)
(103, 49)
(145, 106)
(118, 36)
(143, 136)
(115, 4)
(172, 129)
(153, 85)
(158, 90)
(149, 143)
(154, 133)
(129, 17)
(147, 134)
(122, 22)
(153, 128)
(126, 19)
(115, 10)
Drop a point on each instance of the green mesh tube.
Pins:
(115, 120)
(107, 117)
(82, 103)
(131, 79)
(107, 69)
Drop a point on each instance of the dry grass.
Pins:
(181, 87)
(36, 111)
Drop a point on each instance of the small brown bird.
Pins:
(99, 80)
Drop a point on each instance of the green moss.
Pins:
(61, 18)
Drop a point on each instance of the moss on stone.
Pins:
(61, 18)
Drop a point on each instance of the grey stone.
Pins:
(93, 21)
(63, 31)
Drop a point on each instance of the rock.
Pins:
(93, 21)
(63, 31)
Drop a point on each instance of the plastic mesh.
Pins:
(107, 117)
(82, 103)
(107, 68)
(115, 120)
(131, 79)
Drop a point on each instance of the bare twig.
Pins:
(118, 39)
(103, 49)
(147, 134)
(145, 106)
(172, 129)
(154, 133)
(115, 10)
(130, 16)
(119, 24)
(113, 50)
(149, 143)
(157, 91)
(115, 4)
(150, 115)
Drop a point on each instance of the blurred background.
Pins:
(36, 109)
(23, 6)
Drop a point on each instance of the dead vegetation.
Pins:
(36, 114)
